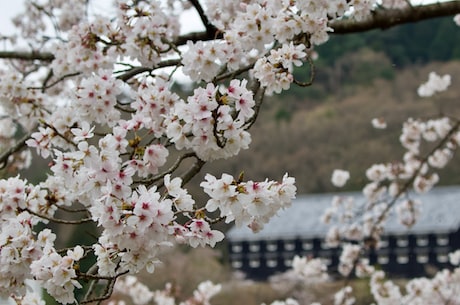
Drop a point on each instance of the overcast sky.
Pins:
(8, 9)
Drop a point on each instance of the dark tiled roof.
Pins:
(440, 213)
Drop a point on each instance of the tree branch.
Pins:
(211, 30)
(193, 170)
(170, 170)
(379, 19)
(387, 18)
(14, 149)
(34, 55)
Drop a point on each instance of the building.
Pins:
(298, 230)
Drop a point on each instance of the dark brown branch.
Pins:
(195, 169)
(107, 293)
(54, 83)
(257, 106)
(196, 36)
(170, 170)
(211, 30)
(133, 72)
(312, 74)
(234, 73)
(45, 56)
(127, 74)
(386, 18)
(62, 221)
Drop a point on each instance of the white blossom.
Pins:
(340, 177)
(435, 83)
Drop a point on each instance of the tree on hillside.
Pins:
(92, 94)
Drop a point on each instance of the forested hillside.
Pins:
(413, 43)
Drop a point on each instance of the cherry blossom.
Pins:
(435, 83)
(340, 177)
(379, 123)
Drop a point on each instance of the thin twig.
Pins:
(60, 79)
(108, 291)
(312, 74)
(57, 220)
(14, 149)
(170, 170)
(193, 171)
(257, 106)
(233, 73)
(60, 134)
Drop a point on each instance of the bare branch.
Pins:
(386, 18)
(195, 36)
(14, 149)
(170, 170)
(54, 83)
(195, 169)
(259, 102)
(133, 72)
(127, 74)
(62, 221)
(210, 28)
(312, 74)
(33, 55)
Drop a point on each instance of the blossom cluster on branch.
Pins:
(94, 96)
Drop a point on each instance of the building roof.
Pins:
(440, 213)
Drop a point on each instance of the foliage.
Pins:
(412, 43)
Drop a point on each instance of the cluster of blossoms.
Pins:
(275, 71)
(33, 25)
(84, 49)
(141, 295)
(213, 122)
(149, 31)
(310, 269)
(141, 32)
(57, 274)
(435, 83)
(250, 203)
(340, 177)
(138, 292)
(348, 257)
(288, 301)
(21, 104)
(442, 288)
(251, 28)
(19, 248)
(97, 97)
